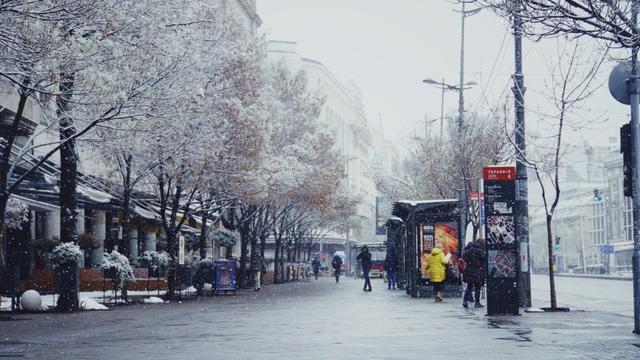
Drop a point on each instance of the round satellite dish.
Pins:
(618, 82)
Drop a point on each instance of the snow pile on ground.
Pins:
(153, 300)
(5, 304)
(90, 304)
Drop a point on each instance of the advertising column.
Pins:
(502, 249)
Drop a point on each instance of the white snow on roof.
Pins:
(94, 194)
(417, 202)
(35, 203)
(145, 213)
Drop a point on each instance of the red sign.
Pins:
(474, 195)
(499, 173)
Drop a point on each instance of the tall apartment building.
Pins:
(344, 114)
(245, 12)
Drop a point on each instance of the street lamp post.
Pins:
(522, 192)
(447, 87)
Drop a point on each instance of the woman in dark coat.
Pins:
(474, 272)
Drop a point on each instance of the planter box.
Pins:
(67, 284)
(90, 280)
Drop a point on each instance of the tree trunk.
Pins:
(263, 244)
(68, 162)
(171, 269)
(244, 249)
(68, 300)
(124, 248)
(276, 259)
(4, 198)
(552, 285)
(289, 259)
(170, 228)
(203, 235)
(253, 259)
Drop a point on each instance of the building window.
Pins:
(628, 219)
(597, 224)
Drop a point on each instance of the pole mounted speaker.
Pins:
(618, 82)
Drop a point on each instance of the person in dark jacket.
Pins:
(474, 272)
(365, 261)
(391, 267)
(337, 266)
(316, 267)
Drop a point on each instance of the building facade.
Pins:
(344, 114)
(99, 203)
(593, 223)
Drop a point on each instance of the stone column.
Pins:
(149, 241)
(80, 230)
(80, 222)
(52, 225)
(99, 229)
(133, 244)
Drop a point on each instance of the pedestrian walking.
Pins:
(258, 270)
(436, 268)
(337, 266)
(365, 261)
(391, 268)
(473, 274)
(316, 267)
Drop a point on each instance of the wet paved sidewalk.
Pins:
(316, 320)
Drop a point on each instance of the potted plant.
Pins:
(43, 250)
(226, 239)
(205, 274)
(66, 257)
(88, 243)
(117, 267)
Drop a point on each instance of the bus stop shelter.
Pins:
(425, 224)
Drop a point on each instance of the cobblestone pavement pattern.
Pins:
(316, 320)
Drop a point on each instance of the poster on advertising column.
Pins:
(503, 260)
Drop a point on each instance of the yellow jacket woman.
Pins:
(436, 262)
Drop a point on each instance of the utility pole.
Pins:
(635, 138)
(522, 196)
(582, 250)
(461, 93)
(442, 110)
(464, 13)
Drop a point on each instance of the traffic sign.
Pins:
(607, 249)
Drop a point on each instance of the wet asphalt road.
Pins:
(315, 320)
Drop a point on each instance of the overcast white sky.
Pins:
(388, 47)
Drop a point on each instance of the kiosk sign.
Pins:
(501, 242)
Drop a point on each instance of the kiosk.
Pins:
(425, 224)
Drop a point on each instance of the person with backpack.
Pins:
(473, 271)
(365, 261)
(337, 266)
(315, 264)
